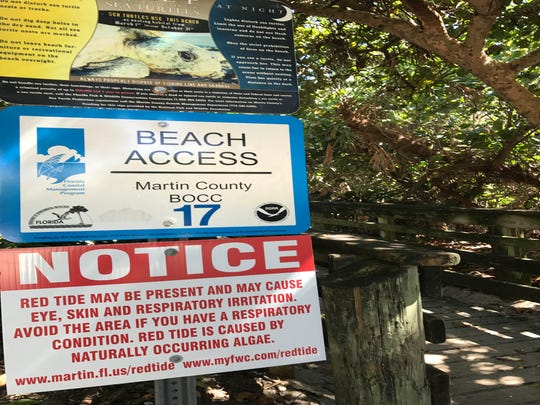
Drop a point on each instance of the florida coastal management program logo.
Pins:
(62, 153)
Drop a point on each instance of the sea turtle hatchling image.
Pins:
(137, 53)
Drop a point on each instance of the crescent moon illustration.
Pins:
(288, 15)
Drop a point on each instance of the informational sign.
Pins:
(73, 174)
(180, 55)
(83, 316)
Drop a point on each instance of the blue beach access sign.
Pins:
(71, 174)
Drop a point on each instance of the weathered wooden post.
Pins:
(431, 281)
(386, 220)
(373, 313)
(502, 273)
(376, 337)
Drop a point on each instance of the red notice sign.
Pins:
(77, 316)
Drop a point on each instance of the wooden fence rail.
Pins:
(505, 242)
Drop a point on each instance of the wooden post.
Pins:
(440, 383)
(502, 273)
(431, 284)
(387, 220)
(434, 328)
(376, 338)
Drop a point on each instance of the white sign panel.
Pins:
(108, 314)
(82, 174)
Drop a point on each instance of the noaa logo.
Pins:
(272, 212)
(61, 216)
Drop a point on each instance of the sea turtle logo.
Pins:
(62, 151)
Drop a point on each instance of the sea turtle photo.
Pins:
(138, 53)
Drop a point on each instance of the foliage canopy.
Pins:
(426, 101)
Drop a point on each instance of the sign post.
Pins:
(176, 391)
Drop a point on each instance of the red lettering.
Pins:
(43, 316)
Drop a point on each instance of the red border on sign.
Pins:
(91, 265)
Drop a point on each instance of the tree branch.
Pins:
(516, 174)
(431, 21)
(394, 26)
(432, 37)
(530, 59)
(508, 146)
(372, 134)
(481, 23)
